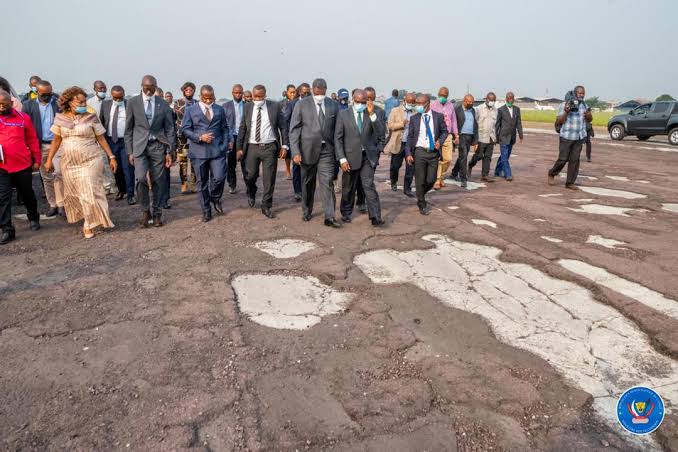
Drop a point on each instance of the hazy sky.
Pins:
(618, 49)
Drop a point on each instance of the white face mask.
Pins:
(259, 103)
(319, 98)
(490, 103)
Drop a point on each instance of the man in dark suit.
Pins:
(112, 117)
(312, 144)
(381, 140)
(426, 135)
(234, 113)
(356, 142)
(42, 110)
(206, 128)
(262, 139)
(150, 139)
(303, 90)
(467, 123)
(509, 124)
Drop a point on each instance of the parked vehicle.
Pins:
(646, 121)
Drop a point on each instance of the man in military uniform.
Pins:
(188, 90)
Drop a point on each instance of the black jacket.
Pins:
(32, 109)
(461, 119)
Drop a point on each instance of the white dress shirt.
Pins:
(267, 135)
(205, 108)
(422, 139)
(122, 115)
(510, 109)
(373, 117)
(95, 103)
(145, 100)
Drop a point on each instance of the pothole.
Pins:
(484, 223)
(469, 185)
(613, 193)
(670, 207)
(599, 209)
(551, 239)
(607, 243)
(285, 248)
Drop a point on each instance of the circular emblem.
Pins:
(640, 410)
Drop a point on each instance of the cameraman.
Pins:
(573, 116)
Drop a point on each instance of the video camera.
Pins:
(572, 101)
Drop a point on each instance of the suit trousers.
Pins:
(503, 168)
(568, 153)
(267, 157)
(23, 181)
(323, 171)
(445, 157)
(124, 175)
(151, 163)
(426, 173)
(588, 147)
(232, 164)
(461, 166)
(484, 154)
(349, 186)
(396, 163)
(296, 178)
(52, 182)
(210, 180)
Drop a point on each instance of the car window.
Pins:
(661, 107)
(643, 109)
(675, 108)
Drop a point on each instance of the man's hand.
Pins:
(567, 108)
(207, 138)
(475, 146)
(283, 154)
(114, 165)
(437, 146)
(405, 121)
(410, 160)
(168, 160)
(130, 159)
(456, 140)
(36, 166)
(370, 107)
(345, 167)
(297, 159)
(49, 166)
(239, 155)
(588, 116)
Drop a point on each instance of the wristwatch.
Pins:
(111, 157)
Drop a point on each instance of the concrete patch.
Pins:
(453, 207)
(540, 220)
(670, 207)
(614, 193)
(469, 185)
(607, 243)
(583, 200)
(619, 178)
(551, 239)
(641, 294)
(549, 195)
(590, 343)
(484, 223)
(581, 176)
(287, 302)
(599, 209)
(285, 248)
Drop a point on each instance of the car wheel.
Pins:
(644, 137)
(673, 136)
(617, 132)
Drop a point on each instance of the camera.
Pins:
(572, 101)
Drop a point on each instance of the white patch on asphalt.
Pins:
(285, 248)
(24, 217)
(583, 200)
(549, 195)
(484, 223)
(541, 220)
(607, 243)
(581, 176)
(643, 181)
(590, 343)
(453, 207)
(551, 239)
(600, 191)
(670, 207)
(619, 178)
(599, 209)
(641, 294)
(469, 185)
(287, 302)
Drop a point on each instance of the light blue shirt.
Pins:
(574, 127)
(468, 122)
(238, 108)
(406, 130)
(46, 120)
(390, 104)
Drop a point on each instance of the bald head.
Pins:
(468, 101)
(444, 92)
(148, 85)
(360, 96)
(410, 98)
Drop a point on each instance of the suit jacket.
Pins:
(306, 136)
(229, 108)
(138, 130)
(276, 116)
(195, 123)
(381, 117)
(32, 109)
(105, 115)
(439, 131)
(461, 119)
(507, 125)
(395, 126)
(349, 142)
(289, 108)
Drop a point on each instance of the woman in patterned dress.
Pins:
(76, 133)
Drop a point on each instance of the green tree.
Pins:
(665, 97)
(595, 102)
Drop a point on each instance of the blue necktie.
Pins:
(428, 132)
(149, 111)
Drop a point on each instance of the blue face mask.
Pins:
(101, 94)
(359, 108)
(80, 110)
(420, 109)
(119, 103)
(409, 107)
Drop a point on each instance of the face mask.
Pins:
(359, 108)
(259, 103)
(409, 107)
(34, 89)
(490, 103)
(509, 104)
(420, 109)
(343, 101)
(319, 98)
(45, 98)
(80, 110)
(101, 95)
(119, 103)
(442, 99)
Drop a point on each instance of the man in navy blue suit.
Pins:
(206, 128)
(303, 90)
(234, 112)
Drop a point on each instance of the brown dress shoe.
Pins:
(184, 188)
(552, 180)
(145, 218)
(157, 221)
(487, 179)
(571, 187)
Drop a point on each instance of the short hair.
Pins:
(187, 85)
(290, 86)
(68, 95)
(258, 88)
(577, 87)
(354, 90)
(428, 98)
(4, 84)
(369, 88)
(159, 91)
(207, 88)
(118, 89)
(304, 85)
(44, 84)
(34, 77)
(320, 83)
(169, 92)
(395, 93)
(5, 94)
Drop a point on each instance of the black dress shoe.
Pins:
(409, 194)
(131, 200)
(52, 212)
(394, 186)
(157, 221)
(376, 222)
(217, 207)
(35, 225)
(425, 210)
(267, 212)
(232, 190)
(6, 237)
(119, 196)
(206, 217)
(463, 184)
(332, 223)
(297, 197)
(145, 218)
(167, 205)
(306, 217)
(251, 201)
(345, 219)
(362, 208)
(62, 212)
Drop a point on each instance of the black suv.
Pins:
(657, 118)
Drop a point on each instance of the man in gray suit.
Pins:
(150, 138)
(357, 138)
(312, 145)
